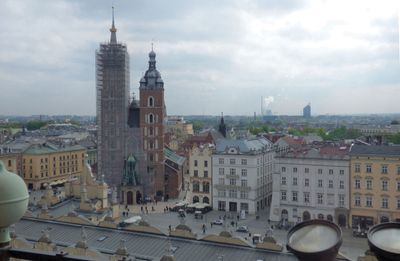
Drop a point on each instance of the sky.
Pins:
(226, 56)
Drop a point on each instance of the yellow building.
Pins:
(374, 185)
(200, 171)
(48, 163)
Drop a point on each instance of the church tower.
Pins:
(112, 103)
(152, 116)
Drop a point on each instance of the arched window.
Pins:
(151, 118)
(150, 102)
(151, 131)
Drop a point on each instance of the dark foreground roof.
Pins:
(141, 245)
(375, 150)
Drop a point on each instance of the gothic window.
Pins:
(150, 102)
(151, 118)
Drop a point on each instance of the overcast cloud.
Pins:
(214, 56)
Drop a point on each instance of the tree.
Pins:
(35, 124)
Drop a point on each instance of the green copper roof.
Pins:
(172, 156)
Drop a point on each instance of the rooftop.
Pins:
(375, 150)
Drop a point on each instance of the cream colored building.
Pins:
(10, 161)
(200, 172)
(374, 185)
(52, 164)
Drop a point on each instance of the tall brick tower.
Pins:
(152, 115)
(112, 103)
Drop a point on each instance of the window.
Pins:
(283, 169)
(196, 187)
(294, 196)
(320, 198)
(357, 184)
(232, 193)
(294, 170)
(206, 187)
(398, 185)
(319, 171)
(232, 161)
(357, 168)
(221, 205)
(398, 170)
(330, 184)
(196, 173)
(331, 171)
(151, 118)
(306, 170)
(244, 194)
(244, 161)
(306, 197)
(306, 182)
(232, 171)
(368, 168)
(398, 203)
(244, 183)
(341, 172)
(206, 163)
(222, 193)
(341, 200)
(195, 163)
(330, 199)
(221, 161)
(283, 195)
(232, 182)
(221, 181)
(151, 102)
(206, 173)
(341, 184)
(294, 181)
(9, 163)
(244, 172)
(384, 185)
(283, 180)
(368, 201)
(320, 183)
(357, 201)
(385, 203)
(384, 169)
(369, 184)
(221, 171)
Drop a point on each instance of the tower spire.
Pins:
(113, 30)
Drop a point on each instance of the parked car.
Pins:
(218, 222)
(244, 229)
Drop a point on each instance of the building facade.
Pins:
(242, 175)
(46, 163)
(152, 115)
(375, 185)
(112, 102)
(311, 183)
(200, 174)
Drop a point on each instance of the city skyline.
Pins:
(217, 59)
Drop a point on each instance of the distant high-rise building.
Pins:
(307, 111)
(112, 102)
(152, 115)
